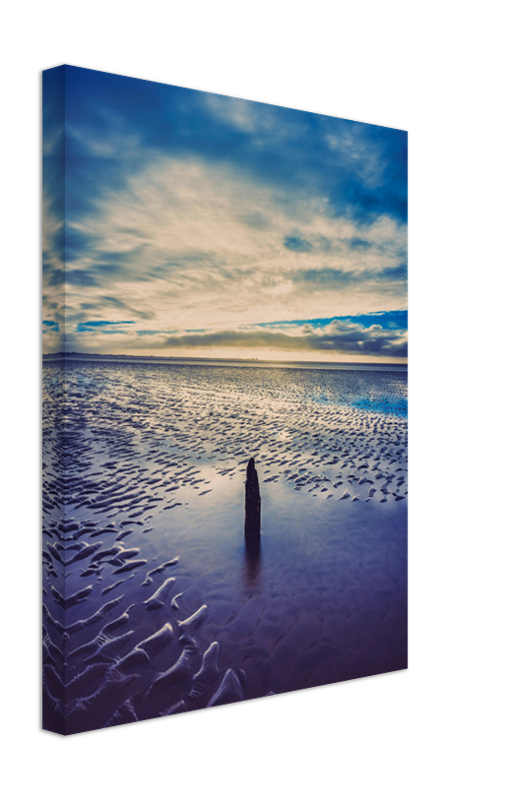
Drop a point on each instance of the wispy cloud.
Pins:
(178, 242)
(263, 127)
(356, 144)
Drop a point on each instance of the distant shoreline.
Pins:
(227, 362)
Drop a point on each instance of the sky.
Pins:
(184, 223)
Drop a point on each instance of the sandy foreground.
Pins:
(164, 609)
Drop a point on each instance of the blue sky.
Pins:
(197, 224)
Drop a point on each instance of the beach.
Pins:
(165, 609)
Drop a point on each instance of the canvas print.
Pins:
(225, 480)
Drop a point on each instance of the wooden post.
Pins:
(253, 503)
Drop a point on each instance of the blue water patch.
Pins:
(396, 407)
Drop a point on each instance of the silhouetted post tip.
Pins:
(253, 503)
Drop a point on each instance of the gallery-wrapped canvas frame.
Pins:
(224, 400)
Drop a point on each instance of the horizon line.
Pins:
(66, 354)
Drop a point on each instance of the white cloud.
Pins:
(189, 243)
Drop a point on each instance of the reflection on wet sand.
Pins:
(253, 561)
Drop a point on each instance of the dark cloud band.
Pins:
(371, 341)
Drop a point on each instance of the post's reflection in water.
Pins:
(252, 560)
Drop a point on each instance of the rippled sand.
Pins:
(163, 609)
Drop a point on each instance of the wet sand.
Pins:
(164, 610)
